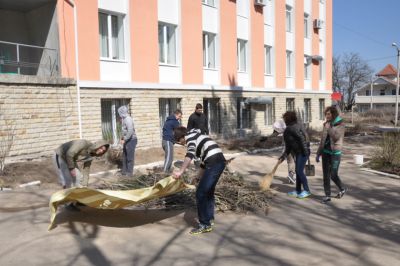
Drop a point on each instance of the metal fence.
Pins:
(17, 58)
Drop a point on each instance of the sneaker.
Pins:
(293, 193)
(325, 200)
(201, 229)
(341, 193)
(291, 177)
(212, 222)
(304, 194)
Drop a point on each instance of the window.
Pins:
(289, 64)
(288, 18)
(307, 67)
(242, 55)
(321, 109)
(268, 60)
(111, 129)
(289, 104)
(306, 25)
(270, 113)
(307, 111)
(243, 114)
(208, 50)
(268, 13)
(393, 92)
(111, 31)
(167, 43)
(367, 92)
(167, 107)
(321, 70)
(209, 2)
(243, 8)
(212, 110)
(382, 92)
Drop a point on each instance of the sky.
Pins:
(367, 27)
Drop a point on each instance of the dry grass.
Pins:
(232, 193)
(387, 155)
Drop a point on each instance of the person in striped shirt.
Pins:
(211, 167)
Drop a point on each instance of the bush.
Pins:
(387, 155)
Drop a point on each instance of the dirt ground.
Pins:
(44, 170)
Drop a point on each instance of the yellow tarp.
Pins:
(115, 199)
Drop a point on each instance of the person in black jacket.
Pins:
(198, 120)
(296, 143)
(168, 141)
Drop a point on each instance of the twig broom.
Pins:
(265, 183)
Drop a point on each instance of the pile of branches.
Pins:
(232, 193)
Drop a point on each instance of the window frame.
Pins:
(243, 115)
(268, 60)
(115, 129)
(121, 36)
(289, 64)
(207, 3)
(307, 110)
(289, 18)
(206, 57)
(239, 61)
(307, 68)
(166, 60)
(289, 103)
(269, 113)
(306, 25)
(321, 109)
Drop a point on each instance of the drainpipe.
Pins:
(78, 88)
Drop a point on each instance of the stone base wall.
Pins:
(45, 112)
(40, 113)
(144, 107)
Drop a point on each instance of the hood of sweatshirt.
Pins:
(98, 144)
(338, 120)
(123, 111)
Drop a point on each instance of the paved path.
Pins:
(363, 228)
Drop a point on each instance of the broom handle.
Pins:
(276, 167)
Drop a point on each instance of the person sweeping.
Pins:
(296, 143)
(211, 167)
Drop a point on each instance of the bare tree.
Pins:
(348, 74)
(7, 133)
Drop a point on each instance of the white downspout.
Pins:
(78, 89)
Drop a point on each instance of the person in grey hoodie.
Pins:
(74, 158)
(128, 140)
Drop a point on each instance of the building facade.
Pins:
(380, 93)
(246, 61)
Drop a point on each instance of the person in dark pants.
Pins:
(168, 141)
(198, 120)
(296, 143)
(212, 165)
(330, 149)
(128, 140)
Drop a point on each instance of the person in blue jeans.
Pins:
(211, 167)
(128, 141)
(296, 144)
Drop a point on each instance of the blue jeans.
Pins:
(128, 157)
(301, 178)
(205, 192)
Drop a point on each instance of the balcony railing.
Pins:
(23, 59)
(376, 99)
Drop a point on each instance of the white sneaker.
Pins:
(291, 178)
